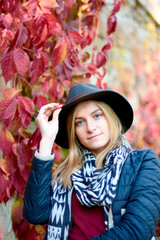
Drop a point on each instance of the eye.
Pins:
(98, 115)
(78, 123)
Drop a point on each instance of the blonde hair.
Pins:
(74, 159)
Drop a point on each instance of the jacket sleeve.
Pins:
(143, 207)
(37, 203)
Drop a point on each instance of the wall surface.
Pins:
(5, 209)
(136, 45)
(136, 38)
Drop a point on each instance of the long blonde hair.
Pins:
(74, 159)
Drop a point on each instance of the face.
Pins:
(91, 127)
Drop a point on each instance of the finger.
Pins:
(55, 114)
(48, 109)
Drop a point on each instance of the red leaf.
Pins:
(16, 110)
(1, 233)
(40, 230)
(41, 101)
(7, 20)
(101, 85)
(21, 229)
(67, 84)
(48, 3)
(26, 110)
(5, 169)
(57, 153)
(12, 161)
(72, 59)
(44, 85)
(40, 61)
(21, 61)
(10, 5)
(31, 5)
(8, 33)
(124, 3)
(24, 155)
(56, 90)
(3, 43)
(8, 106)
(8, 66)
(92, 68)
(111, 24)
(5, 185)
(20, 38)
(40, 30)
(6, 142)
(25, 172)
(27, 104)
(57, 30)
(59, 53)
(7, 110)
(23, 36)
(87, 38)
(117, 6)
(50, 20)
(35, 139)
(31, 234)
(60, 91)
(17, 208)
(4, 179)
(9, 93)
(107, 46)
(18, 181)
(38, 99)
(75, 36)
(100, 60)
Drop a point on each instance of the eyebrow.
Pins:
(95, 111)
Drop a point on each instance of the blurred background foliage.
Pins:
(47, 46)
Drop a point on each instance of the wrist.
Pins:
(43, 157)
(46, 145)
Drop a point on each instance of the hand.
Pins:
(48, 129)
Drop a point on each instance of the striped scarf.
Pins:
(92, 186)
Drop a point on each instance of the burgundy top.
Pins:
(88, 222)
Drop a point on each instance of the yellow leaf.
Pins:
(9, 136)
(59, 52)
(48, 3)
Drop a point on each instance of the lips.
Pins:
(92, 137)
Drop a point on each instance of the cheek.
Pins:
(79, 133)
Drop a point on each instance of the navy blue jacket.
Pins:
(136, 207)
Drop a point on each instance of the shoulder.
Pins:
(144, 156)
(141, 161)
(144, 153)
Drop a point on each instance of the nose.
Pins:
(90, 126)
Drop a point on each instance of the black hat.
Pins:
(86, 91)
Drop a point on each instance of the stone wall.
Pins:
(135, 40)
(5, 209)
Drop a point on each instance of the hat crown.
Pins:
(80, 90)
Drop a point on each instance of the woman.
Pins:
(103, 189)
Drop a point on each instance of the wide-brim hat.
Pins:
(86, 91)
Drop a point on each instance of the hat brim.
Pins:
(117, 102)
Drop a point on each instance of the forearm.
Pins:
(37, 204)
